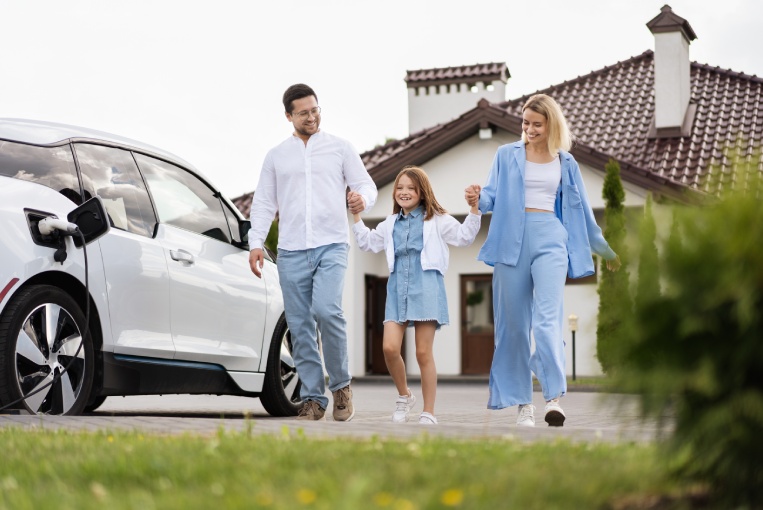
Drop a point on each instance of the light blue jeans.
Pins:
(530, 297)
(312, 282)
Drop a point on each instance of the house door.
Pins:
(476, 323)
(376, 297)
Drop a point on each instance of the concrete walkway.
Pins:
(460, 410)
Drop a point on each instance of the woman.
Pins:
(542, 230)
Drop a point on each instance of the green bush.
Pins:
(695, 354)
(271, 241)
(648, 284)
(614, 295)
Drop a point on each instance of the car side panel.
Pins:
(219, 307)
(138, 289)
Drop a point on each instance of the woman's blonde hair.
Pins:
(559, 136)
(424, 187)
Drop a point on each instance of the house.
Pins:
(675, 127)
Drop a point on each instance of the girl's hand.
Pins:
(355, 202)
(353, 197)
(614, 264)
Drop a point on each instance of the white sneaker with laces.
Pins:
(427, 419)
(554, 414)
(526, 416)
(403, 406)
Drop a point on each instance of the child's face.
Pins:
(407, 194)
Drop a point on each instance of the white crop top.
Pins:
(541, 183)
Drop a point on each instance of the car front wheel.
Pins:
(43, 356)
(280, 393)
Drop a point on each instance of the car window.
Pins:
(184, 200)
(113, 175)
(50, 166)
(232, 224)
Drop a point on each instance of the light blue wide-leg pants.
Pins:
(530, 297)
(312, 282)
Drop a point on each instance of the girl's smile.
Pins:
(407, 194)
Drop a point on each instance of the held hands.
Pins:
(472, 196)
(355, 202)
(614, 264)
(256, 260)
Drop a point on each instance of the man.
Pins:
(305, 179)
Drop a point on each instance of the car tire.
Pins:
(40, 331)
(94, 404)
(280, 392)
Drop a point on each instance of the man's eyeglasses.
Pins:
(306, 113)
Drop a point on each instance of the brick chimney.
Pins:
(440, 95)
(673, 114)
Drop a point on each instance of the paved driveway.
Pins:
(460, 410)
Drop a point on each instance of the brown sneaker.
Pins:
(343, 409)
(311, 410)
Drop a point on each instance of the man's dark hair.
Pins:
(295, 92)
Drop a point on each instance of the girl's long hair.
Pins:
(424, 187)
(559, 136)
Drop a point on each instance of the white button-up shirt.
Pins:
(306, 184)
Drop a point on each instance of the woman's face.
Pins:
(535, 127)
(407, 194)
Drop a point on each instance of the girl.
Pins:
(542, 230)
(415, 239)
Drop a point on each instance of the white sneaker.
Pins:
(403, 405)
(427, 419)
(526, 416)
(554, 413)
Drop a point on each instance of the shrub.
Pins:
(696, 352)
(614, 296)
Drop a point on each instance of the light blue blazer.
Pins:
(504, 195)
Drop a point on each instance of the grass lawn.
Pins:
(67, 470)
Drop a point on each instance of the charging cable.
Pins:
(47, 226)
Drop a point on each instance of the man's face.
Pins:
(303, 117)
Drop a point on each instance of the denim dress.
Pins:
(412, 293)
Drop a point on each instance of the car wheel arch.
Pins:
(76, 289)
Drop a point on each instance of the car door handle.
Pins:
(181, 256)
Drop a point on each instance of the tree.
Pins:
(614, 297)
(648, 286)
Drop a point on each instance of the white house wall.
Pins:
(466, 163)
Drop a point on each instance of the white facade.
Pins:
(467, 163)
(435, 104)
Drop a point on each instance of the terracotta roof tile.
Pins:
(461, 74)
(244, 203)
(612, 111)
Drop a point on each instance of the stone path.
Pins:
(460, 410)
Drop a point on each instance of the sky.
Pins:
(204, 80)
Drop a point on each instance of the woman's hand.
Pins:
(614, 264)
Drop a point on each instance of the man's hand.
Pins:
(355, 202)
(256, 260)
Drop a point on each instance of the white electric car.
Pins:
(159, 300)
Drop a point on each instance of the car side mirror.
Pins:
(91, 219)
(243, 232)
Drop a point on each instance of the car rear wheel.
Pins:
(40, 336)
(95, 403)
(280, 393)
